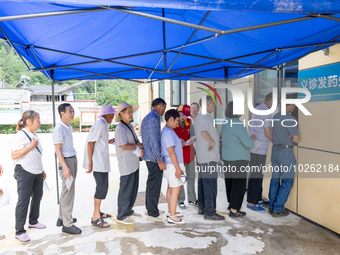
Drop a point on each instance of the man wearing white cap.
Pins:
(96, 159)
(128, 149)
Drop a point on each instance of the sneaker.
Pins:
(60, 222)
(38, 226)
(200, 212)
(237, 214)
(181, 205)
(73, 230)
(126, 221)
(156, 219)
(172, 221)
(23, 237)
(214, 217)
(159, 211)
(178, 214)
(2, 237)
(256, 208)
(264, 203)
(193, 203)
(135, 216)
(283, 213)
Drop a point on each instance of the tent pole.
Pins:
(49, 14)
(10, 43)
(164, 40)
(233, 78)
(192, 35)
(55, 154)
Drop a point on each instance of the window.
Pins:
(161, 89)
(178, 90)
(265, 81)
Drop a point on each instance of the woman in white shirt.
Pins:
(27, 158)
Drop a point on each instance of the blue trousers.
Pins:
(283, 162)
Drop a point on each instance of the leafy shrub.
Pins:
(75, 123)
(7, 129)
(45, 128)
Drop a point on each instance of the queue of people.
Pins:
(189, 141)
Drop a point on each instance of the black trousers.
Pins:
(255, 178)
(28, 185)
(153, 188)
(207, 187)
(127, 194)
(235, 182)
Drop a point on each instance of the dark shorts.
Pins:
(102, 181)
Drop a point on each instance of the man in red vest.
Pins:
(186, 133)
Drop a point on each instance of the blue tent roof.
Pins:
(234, 38)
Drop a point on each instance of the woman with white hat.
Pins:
(129, 150)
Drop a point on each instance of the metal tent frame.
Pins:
(236, 62)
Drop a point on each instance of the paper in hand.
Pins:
(187, 142)
(69, 182)
(257, 144)
(137, 152)
(45, 187)
(5, 197)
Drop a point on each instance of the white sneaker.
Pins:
(172, 221)
(126, 221)
(160, 212)
(181, 205)
(178, 214)
(135, 216)
(156, 219)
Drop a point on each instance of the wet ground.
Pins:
(257, 233)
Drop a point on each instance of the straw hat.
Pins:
(106, 109)
(121, 106)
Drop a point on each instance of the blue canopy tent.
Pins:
(215, 40)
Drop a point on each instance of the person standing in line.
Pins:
(194, 110)
(29, 173)
(68, 166)
(284, 138)
(208, 155)
(128, 163)
(97, 160)
(185, 131)
(151, 137)
(261, 128)
(236, 145)
(1, 192)
(173, 156)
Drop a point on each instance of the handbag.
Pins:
(133, 134)
(29, 138)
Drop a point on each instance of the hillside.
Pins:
(109, 91)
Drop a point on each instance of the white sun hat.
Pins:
(107, 109)
(121, 106)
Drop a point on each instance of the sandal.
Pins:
(105, 215)
(99, 223)
(172, 221)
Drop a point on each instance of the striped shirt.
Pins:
(62, 134)
(32, 161)
(259, 131)
(151, 136)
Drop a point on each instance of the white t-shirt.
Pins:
(206, 122)
(63, 134)
(32, 161)
(99, 133)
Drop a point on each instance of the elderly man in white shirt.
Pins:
(96, 159)
(208, 155)
(63, 141)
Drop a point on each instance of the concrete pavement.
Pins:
(257, 233)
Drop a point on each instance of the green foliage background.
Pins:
(109, 91)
